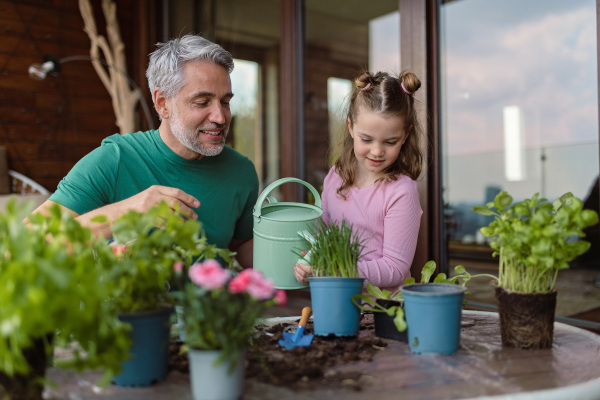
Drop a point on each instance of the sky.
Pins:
(539, 56)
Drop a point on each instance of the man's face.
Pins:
(200, 114)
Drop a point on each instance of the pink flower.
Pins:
(239, 283)
(119, 249)
(178, 267)
(280, 297)
(253, 282)
(209, 274)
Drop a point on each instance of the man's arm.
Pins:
(244, 251)
(140, 202)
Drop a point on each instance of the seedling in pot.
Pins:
(370, 304)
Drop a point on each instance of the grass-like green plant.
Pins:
(335, 250)
(54, 286)
(534, 239)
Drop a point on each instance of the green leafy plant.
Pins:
(335, 250)
(220, 308)
(54, 286)
(535, 239)
(145, 249)
(369, 302)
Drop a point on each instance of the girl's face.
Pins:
(377, 142)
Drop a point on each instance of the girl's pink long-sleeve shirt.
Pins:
(388, 215)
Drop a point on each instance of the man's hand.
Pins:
(140, 202)
(150, 197)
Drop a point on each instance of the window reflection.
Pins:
(246, 111)
(343, 39)
(519, 113)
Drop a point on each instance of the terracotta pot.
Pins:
(526, 319)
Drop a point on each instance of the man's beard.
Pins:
(189, 138)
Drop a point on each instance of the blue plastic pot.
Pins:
(333, 310)
(433, 313)
(215, 382)
(149, 350)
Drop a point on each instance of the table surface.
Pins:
(481, 369)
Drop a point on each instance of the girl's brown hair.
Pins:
(392, 97)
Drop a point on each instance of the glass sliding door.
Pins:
(343, 39)
(519, 96)
(250, 32)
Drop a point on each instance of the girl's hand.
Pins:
(302, 272)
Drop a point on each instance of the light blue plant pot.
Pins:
(149, 350)
(333, 310)
(210, 382)
(433, 312)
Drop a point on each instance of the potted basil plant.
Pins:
(54, 291)
(533, 240)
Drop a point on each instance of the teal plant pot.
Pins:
(333, 310)
(210, 382)
(433, 313)
(149, 350)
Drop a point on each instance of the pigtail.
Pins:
(409, 83)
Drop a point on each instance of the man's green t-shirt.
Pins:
(226, 185)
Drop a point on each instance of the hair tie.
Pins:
(366, 87)
(403, 88)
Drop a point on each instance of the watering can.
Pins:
(278, 233)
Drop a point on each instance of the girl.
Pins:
(373, 183)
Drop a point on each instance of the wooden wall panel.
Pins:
(47, 126)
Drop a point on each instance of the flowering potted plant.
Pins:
(220, 309)
(334, 252)
(146, 245)
(53, 294)
(534, 239)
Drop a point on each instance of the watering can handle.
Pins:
(272, 186)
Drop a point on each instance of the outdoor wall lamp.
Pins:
(51, 65)
(38, 72)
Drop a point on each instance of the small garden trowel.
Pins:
(298, 338)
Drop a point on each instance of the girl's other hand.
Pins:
(302, 272)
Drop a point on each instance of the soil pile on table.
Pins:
(308, 367)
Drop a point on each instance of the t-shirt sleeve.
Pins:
(90, 183)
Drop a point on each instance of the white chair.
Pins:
(21, 184)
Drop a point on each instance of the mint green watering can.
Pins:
(278, 227)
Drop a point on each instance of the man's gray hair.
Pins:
(167, 61)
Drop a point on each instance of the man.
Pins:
(185, 162)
